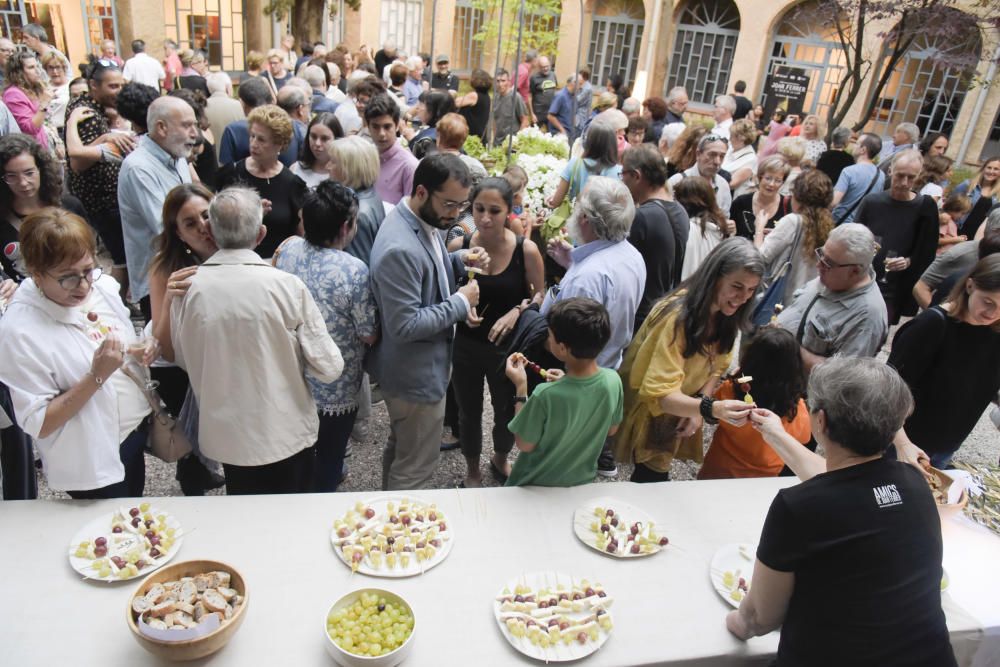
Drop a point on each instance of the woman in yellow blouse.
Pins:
(673, 364)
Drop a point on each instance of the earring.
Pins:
(187, 250)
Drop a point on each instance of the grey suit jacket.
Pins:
(418, 309)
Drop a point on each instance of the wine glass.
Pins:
(889, 254)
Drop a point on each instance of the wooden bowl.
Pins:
(190, 649)
(945, 480)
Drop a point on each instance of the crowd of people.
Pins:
(259, 263)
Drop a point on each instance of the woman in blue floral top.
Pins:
(339, 284)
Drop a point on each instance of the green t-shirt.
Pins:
(569, 421)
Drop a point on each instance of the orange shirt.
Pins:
(741, 451)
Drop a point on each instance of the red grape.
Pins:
(581, 637)
(442, 526)
(139, 564)
(635, 548)
(390, 540)
(421, 544)
(553, 621)
(357, 556)
(614, 521)
(149, 523)
(577, 595)
(436, 543)
(92, 316)
(134, 512)
(605, 528)
(610, 513)
(154, 552)
(369, 513)
(406, 519)
(100, 551)
(432, 516)
(590, 592)
(518, 598)
(611, 548)
(664, 541)
(420, 517)
(117, 529)
(635, 528)
(602, 594)
(564, 596)
(150, 533)
(563, 624)
(136, 522)
(100, 541)
(543, 605)
(394, 519)
(154, 540)
(344, 531)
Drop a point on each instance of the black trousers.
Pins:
(334, 432)
(474, 361)
(17, 458)
(291, 475)
(645, 475)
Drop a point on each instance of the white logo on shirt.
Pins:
(887, 496)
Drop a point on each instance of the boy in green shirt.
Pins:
(560, 430)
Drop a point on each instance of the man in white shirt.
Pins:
(246, 333)
(711, 153)
(143, 68)
(725, 107)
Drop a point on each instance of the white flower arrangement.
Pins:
(543, 172)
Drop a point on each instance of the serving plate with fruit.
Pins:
(370, 628)
(393, 536)
(732, 570)
(554, 617)
(617, 529)
(130, 542)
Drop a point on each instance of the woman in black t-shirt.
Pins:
(849, 561)
(515, 279)
(475, 106)
(765, 202)
(270, 133)
(950, 357)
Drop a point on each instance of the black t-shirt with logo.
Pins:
(864, 543)
(543, 91)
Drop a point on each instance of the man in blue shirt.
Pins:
(858, 180)
(560, 115)
(153, 169)
(414, 85)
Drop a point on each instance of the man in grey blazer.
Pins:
(414, 280)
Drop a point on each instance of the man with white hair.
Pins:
(7, 49)
(221, 109)
(725, 107)
(334, 92)
(317, 81)
(907, 226)
(258, 419)
(414, 85)
(156, 166)
(710, 153)
(632, 107)
(841, 311)
(143, 68)
(604, 267)
(906, 135)
(671, 131)
(677, 102)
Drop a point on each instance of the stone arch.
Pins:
(704, 46)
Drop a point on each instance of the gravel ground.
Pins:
(365, 463)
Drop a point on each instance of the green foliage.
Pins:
(540, 25)
(279, 9)
(494, 159)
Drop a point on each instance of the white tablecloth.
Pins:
(666, 611)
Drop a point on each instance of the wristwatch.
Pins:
(706, 410)
(520, 399)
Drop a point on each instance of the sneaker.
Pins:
(606, 465)
(360, 431)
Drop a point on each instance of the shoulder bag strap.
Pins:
(805, 318)
(849, 211)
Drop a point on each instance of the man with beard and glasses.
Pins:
(414, 282)
(153, 169)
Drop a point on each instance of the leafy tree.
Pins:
(307, 16)
(540, 26)
(935, 22)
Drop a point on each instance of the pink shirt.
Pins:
(524, 82)
(23, 108)
(395, 178)
(172, 66)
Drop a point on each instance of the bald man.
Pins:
(156, 166)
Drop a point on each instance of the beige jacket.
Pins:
(246, 333)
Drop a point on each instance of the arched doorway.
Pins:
(927, 87)
(803, 41)
(615, 35)
(703, 49)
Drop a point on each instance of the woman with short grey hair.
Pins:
(849, 561)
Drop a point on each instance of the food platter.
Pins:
(732, 570)
(617, 529)
(128, 543)
(554, 617)
(395, 536)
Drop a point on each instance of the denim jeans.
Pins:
(133, 456)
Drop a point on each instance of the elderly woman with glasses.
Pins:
(340, 285)
(55, 68)
(75, 386)
(849, 561)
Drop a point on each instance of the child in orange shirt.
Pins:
(772, 359)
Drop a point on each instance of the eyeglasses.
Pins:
(773, 180)
(827, 264)
(70, 283)
(453, 205)
(709, 138)
(29, 175)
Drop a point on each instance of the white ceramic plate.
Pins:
(585, 517)
(560, 651)
(375, 526)
(729, 564)
(122, 543)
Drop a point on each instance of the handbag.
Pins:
(167, 441)
(557, 219)
(775, 291)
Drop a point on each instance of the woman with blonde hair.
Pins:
(797, 235)
(354, 162)
(26, 95)
(813, 131)
(765, 201)
(193, 73)
(270, 133)
(254, 63)
(793, 149)
(741, 161)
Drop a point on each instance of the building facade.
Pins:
(704, 45)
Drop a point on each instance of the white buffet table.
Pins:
(666, 611)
